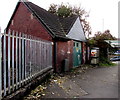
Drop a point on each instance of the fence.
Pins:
(23, 57)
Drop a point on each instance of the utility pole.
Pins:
(103, 25)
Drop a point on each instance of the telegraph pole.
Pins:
(103, 25)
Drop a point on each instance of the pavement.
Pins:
(98, 82)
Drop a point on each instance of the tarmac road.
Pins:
(101, 82)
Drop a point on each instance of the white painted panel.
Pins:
(77, 32)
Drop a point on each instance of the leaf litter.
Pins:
(38, 92)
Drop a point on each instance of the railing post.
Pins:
(13, 60)
(9, 56)
(20, 74)
(35, 66)
(23, 57)
(16, 60)
(0, 66)
(30, 58)
(4, 50)
(40, 55)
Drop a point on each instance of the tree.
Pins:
(64, 11)
(52, 8)
(99, 38)
(99, 41)
(106, 35)
(67, 11)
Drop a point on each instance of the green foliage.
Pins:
(67, 10)
(91, 42)
(99, 41)
(64, 11)
(104, 36)
(105, 62)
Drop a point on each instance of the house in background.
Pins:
(67, 34)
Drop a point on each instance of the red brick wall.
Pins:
(22, 22)
(83, 53)
(70, 54)
(64, 51)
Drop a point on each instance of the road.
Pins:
(101, 82)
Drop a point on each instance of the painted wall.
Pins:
(77, 54)
(76, 31)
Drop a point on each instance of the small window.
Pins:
(77, 44)
(12, 22)
(31, 16)
(74, 44)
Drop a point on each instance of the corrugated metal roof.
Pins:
(113, 43)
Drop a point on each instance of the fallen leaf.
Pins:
(53, 93)
(43, 94)
(55, 80)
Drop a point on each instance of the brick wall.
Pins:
(64, 51)
(24, 21)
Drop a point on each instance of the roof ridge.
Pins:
(62, 27)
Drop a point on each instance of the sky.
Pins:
(103, 14)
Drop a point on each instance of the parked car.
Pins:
(117, 52)
(115, 58)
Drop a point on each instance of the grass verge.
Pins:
(108, 64)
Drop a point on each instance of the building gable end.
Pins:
(76, 32)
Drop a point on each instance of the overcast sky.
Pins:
(103, 13)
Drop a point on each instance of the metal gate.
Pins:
(77, 54)
(22, 58)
